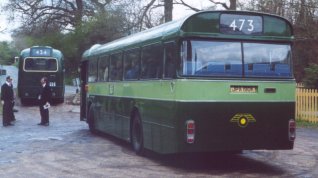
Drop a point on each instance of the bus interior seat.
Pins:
(216, 68)
(282, 69)
(261, 69)
(192, 67)
(234, 69)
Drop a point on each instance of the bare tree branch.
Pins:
(145, 10)
(181, 2)
(220, 3)
(67, 13)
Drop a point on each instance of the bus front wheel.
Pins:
(136, 134)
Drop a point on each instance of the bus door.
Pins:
(84, 77)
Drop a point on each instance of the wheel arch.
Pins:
(134, 110)
(136, 132)
(89, 105)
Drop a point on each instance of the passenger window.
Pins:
(103, 68)
(131, 65)
(52, 65)
(92, 70)
(170, 60)
(152, 62)
(116, 67)
(40, 64)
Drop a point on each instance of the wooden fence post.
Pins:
(306, 104)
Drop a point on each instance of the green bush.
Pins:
(311, 76)
(68, 80)
(306, 124)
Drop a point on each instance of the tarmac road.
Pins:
(66, 148)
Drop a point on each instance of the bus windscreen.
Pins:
(235, 59)
(40, 64)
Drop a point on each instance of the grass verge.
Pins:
(306, 124)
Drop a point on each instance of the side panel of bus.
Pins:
(114, 108)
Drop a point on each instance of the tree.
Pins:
(232, 4)
(7, 53)
(311, 78)
(65, 14)
(303, 14)
(147, 14)
(70, 26)
(168, 10)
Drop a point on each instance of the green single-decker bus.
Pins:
(37, 62)
(212, 81)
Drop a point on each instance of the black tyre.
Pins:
(136, 134)
(91, 120)
(29, 102)
(58, 101)
(23, 101)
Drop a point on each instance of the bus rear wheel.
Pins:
(23, 101)
(136, 134)
(91, 120)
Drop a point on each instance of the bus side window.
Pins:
(92, 70)
(112, 73)
(103, 69)
(170, 60)
(51, 65)
(151, 62)
(131, 64)
(29, 63)
(116, 67)
(105, 76)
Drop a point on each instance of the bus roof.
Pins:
(205, 24)
(55, 52)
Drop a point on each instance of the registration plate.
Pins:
(243, 89)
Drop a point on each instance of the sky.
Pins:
(181, 11)
(4, 34)
(178, 12)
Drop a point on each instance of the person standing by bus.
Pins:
(7, 101)
(13, 102)
(44, 102)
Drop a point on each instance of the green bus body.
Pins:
(231, 105)
(33, 67)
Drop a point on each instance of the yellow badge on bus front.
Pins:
(243, 119)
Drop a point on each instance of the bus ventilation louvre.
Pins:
(190, 132)
(292, 130)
